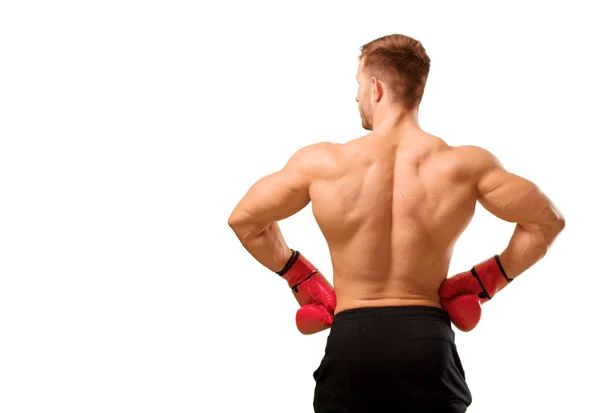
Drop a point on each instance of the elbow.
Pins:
(234, 222)
(554, 228)
(237, 227)
(243, 228)
(547, 230)
(553, 221)
(559, 225)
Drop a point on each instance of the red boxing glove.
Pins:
(312, 291)
(462, 295)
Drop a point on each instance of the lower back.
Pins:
(386, 274)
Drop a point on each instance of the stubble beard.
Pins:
(366, 124)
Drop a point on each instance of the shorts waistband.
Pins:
(391, 313)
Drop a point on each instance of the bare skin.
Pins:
(391, 206)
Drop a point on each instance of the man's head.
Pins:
(392, 71)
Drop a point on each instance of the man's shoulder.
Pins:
(472, 162)
(323, 147)
(325, 157)
(317, 158)
(474, 155)
(319, 151)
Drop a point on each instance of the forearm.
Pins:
(268, 246)
(527, 246)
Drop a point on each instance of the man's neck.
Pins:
(395, 119)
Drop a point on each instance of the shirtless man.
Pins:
(391, 206)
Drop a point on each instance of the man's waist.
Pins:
(401, 322)
(351, 303)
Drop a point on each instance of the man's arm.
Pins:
(515, 199)
(271, 199)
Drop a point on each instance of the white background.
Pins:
(129, 131)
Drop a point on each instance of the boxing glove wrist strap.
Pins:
(297, 270)
(289, 263)
(492, 270)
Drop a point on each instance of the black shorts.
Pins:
(391, 359)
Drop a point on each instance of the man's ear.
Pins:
(376, 90)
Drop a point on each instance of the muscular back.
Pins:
(391, 209)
